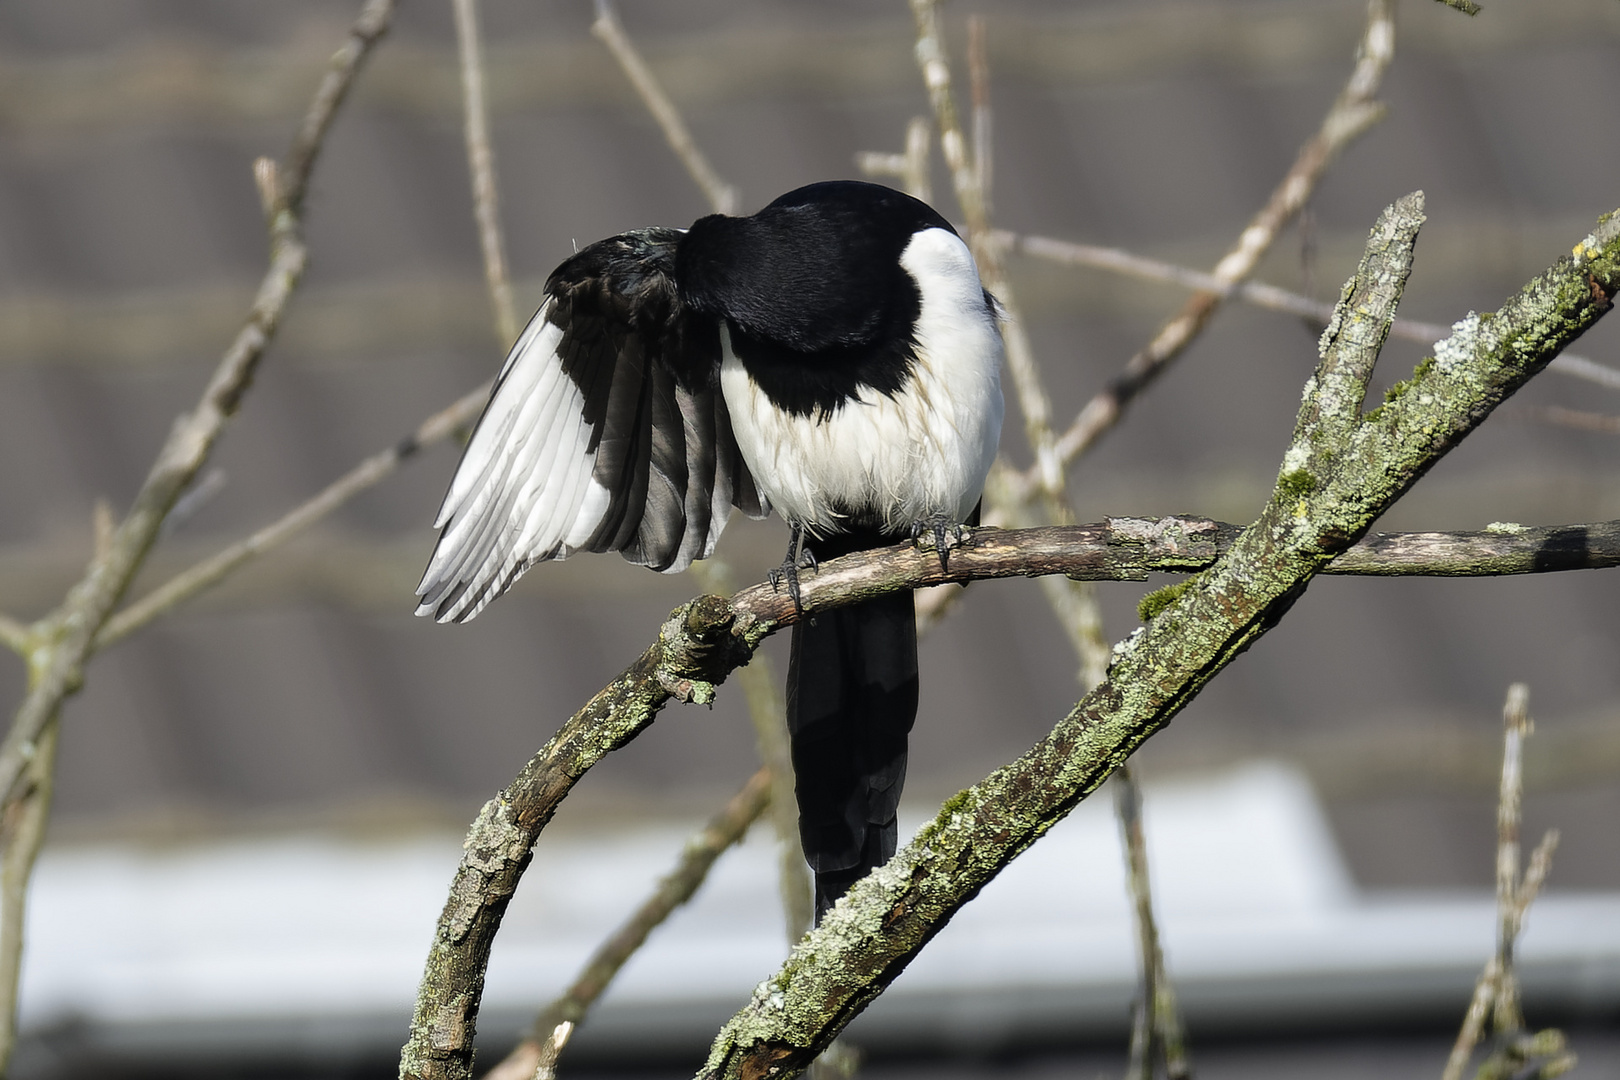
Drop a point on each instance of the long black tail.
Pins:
(851, 701)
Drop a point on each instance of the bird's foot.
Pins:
(946, 532)
(798, 558)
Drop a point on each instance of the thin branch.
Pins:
(974, 201)
(1353, 113)
(891, 914)
(1157, 1028)
(910, 168)
(979, 94)
(767, 711)
(723, 197)
(293, 178)
(1496, 993)
(1579, 419)
(22, 830)
(15, 635)
(481, 162)
(67, 636)
(1128, 810)
(1510, 800)
(1260, 295)
(194, 433)
(211, 571)
(537, 1054)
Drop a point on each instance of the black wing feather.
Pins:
(606, 431)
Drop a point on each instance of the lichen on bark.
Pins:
(1360, 465)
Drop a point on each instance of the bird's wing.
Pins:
(606, 431)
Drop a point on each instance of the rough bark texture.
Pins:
(1341, 472)
(695, 650)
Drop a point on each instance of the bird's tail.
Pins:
(852, 697)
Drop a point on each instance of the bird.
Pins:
(832, 357)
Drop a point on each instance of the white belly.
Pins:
(918, 454)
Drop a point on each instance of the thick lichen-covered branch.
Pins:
(536, 1055)
(708, 638)
(695, 650)
(869, 937)
(1244, 581)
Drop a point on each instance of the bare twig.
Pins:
(910, 168)
(1352, 114)
(481, 162)
(1156, 1032)
(15, 635)
(211, 571)
(1510, 799)
(974, 201)
(22, 830)
(723, 197)
(1128, 809)
(66, 637)
(767, 710)
(103, 523)
(979, 93)
(537, 1054)
(1270, 297)
(1496, 994)
(1579, 419)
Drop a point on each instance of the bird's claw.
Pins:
(941, 526)
(797, 558)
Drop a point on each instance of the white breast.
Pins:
(905, 458)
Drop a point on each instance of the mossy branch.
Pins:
(1361, 467)
(709, 637)
(1246, 582)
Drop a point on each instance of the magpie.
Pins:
(832, 357)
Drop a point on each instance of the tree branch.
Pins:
(481, 163)
(536, 1056)
(1270, 297)
(709, 637)
(63, 640)
(870, 936)
(211, 571)
(15, 635)
(75, 624)
(1352, 113)
(767, 711)
(723, 197)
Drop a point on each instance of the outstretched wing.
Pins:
(606, 431)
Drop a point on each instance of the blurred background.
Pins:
(300, 708)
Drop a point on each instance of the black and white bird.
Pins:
(833, 358)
